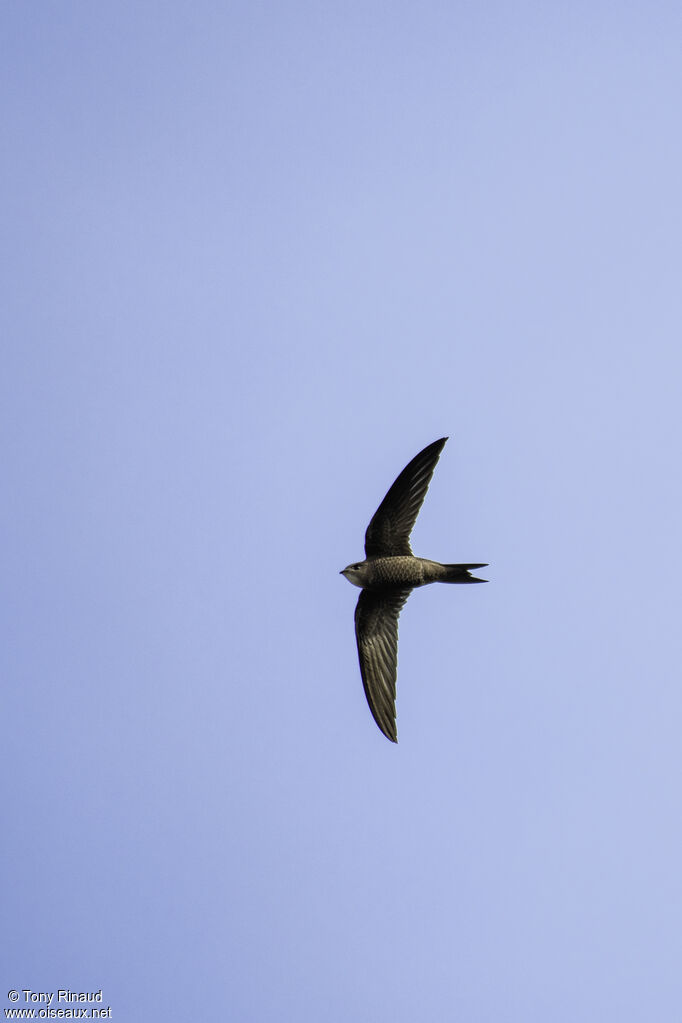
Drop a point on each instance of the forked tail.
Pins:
(460, 574)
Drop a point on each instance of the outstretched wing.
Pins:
(388, 533)
(376, 630)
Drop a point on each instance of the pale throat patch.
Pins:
(354, 576)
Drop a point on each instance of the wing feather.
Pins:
(389, 531)
(376, 631)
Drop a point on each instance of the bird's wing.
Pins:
(376, 630)
(389, 531)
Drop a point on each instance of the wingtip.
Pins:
(436, 445)
(390, 733)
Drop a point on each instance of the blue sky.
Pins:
(256, 256)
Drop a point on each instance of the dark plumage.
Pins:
(387, 576)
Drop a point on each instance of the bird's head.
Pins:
(354, 573)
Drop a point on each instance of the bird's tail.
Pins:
(460, 574)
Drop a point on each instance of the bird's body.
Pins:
(387, 576)
(404, 570)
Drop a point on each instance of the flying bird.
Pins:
(387, 576)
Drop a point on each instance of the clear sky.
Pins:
(255, 257)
